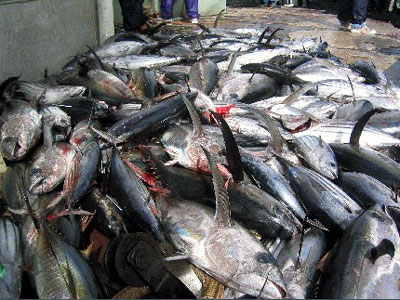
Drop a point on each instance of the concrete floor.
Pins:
(383, 49)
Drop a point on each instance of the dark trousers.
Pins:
(132, 13)
(353, 11)
(192, 8)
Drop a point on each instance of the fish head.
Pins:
(263, 276)
(176, 140)
(329, 169)
(252, 268)
(18, 136)
(100, 109)
(48, 167)
(204, 104)
(58, 122)
(36, 180)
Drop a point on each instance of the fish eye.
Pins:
(263, 258)
(277, 211)
(333, 164)
(35, 171)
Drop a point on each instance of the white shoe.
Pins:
(363, 30)
(194, 21)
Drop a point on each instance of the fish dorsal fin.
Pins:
(155, 30)
(385, 247)
(197, 129)
(197, 41)
(96, 57)
(321, 144)
(223, 211)
(271, 36)
(218, 18)
(271, 127)
(232, 63)
(295, 95)
(359, 127)
(204, 28)
(262, 35)
(352, 88)
(232, 150)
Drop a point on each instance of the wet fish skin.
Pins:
(11, 186)
(133, 197)
(150, 119)
(321, 198)
(368, 161)
(83, 108)
(133, 62)
(83, 166)
(273, 183)
(56, 124)
(104, 86)
(231, 255)
(204, 75)
(48, 95)
(109, 219)
(121, 48)
(366, 190)
(10, 259)
(185, 148)
(353, 111)
(145, 83)
(365, 261)
(280, 75)
(260, 211)
(48, 167)
(21, 130)
(60, 271)
(298, 261)
(318, 155)
(339, 131)
(369, 72)
(259, 87)
(181, 181)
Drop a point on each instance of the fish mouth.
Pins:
(280, 289)
(35, 186)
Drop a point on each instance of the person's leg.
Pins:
(132, 13)
(360, 8)
(192, 8)
(345, 11)
(167, 7)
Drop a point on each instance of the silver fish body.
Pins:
(230, 255)
(318, 155)
(10, 260)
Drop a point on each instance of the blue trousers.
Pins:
(353, 11)
(132, 13)
(192, 8)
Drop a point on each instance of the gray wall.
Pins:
(40, 34)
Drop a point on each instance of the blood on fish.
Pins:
(146, 177)
(78, 141)
(225, 110)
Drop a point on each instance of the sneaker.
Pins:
(345, 27)
(194, 21)
(363, 30)
(165, 20)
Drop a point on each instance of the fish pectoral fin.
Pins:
(177, 256)
(171, 163)
(385, 247)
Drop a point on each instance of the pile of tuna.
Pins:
(265, 166)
